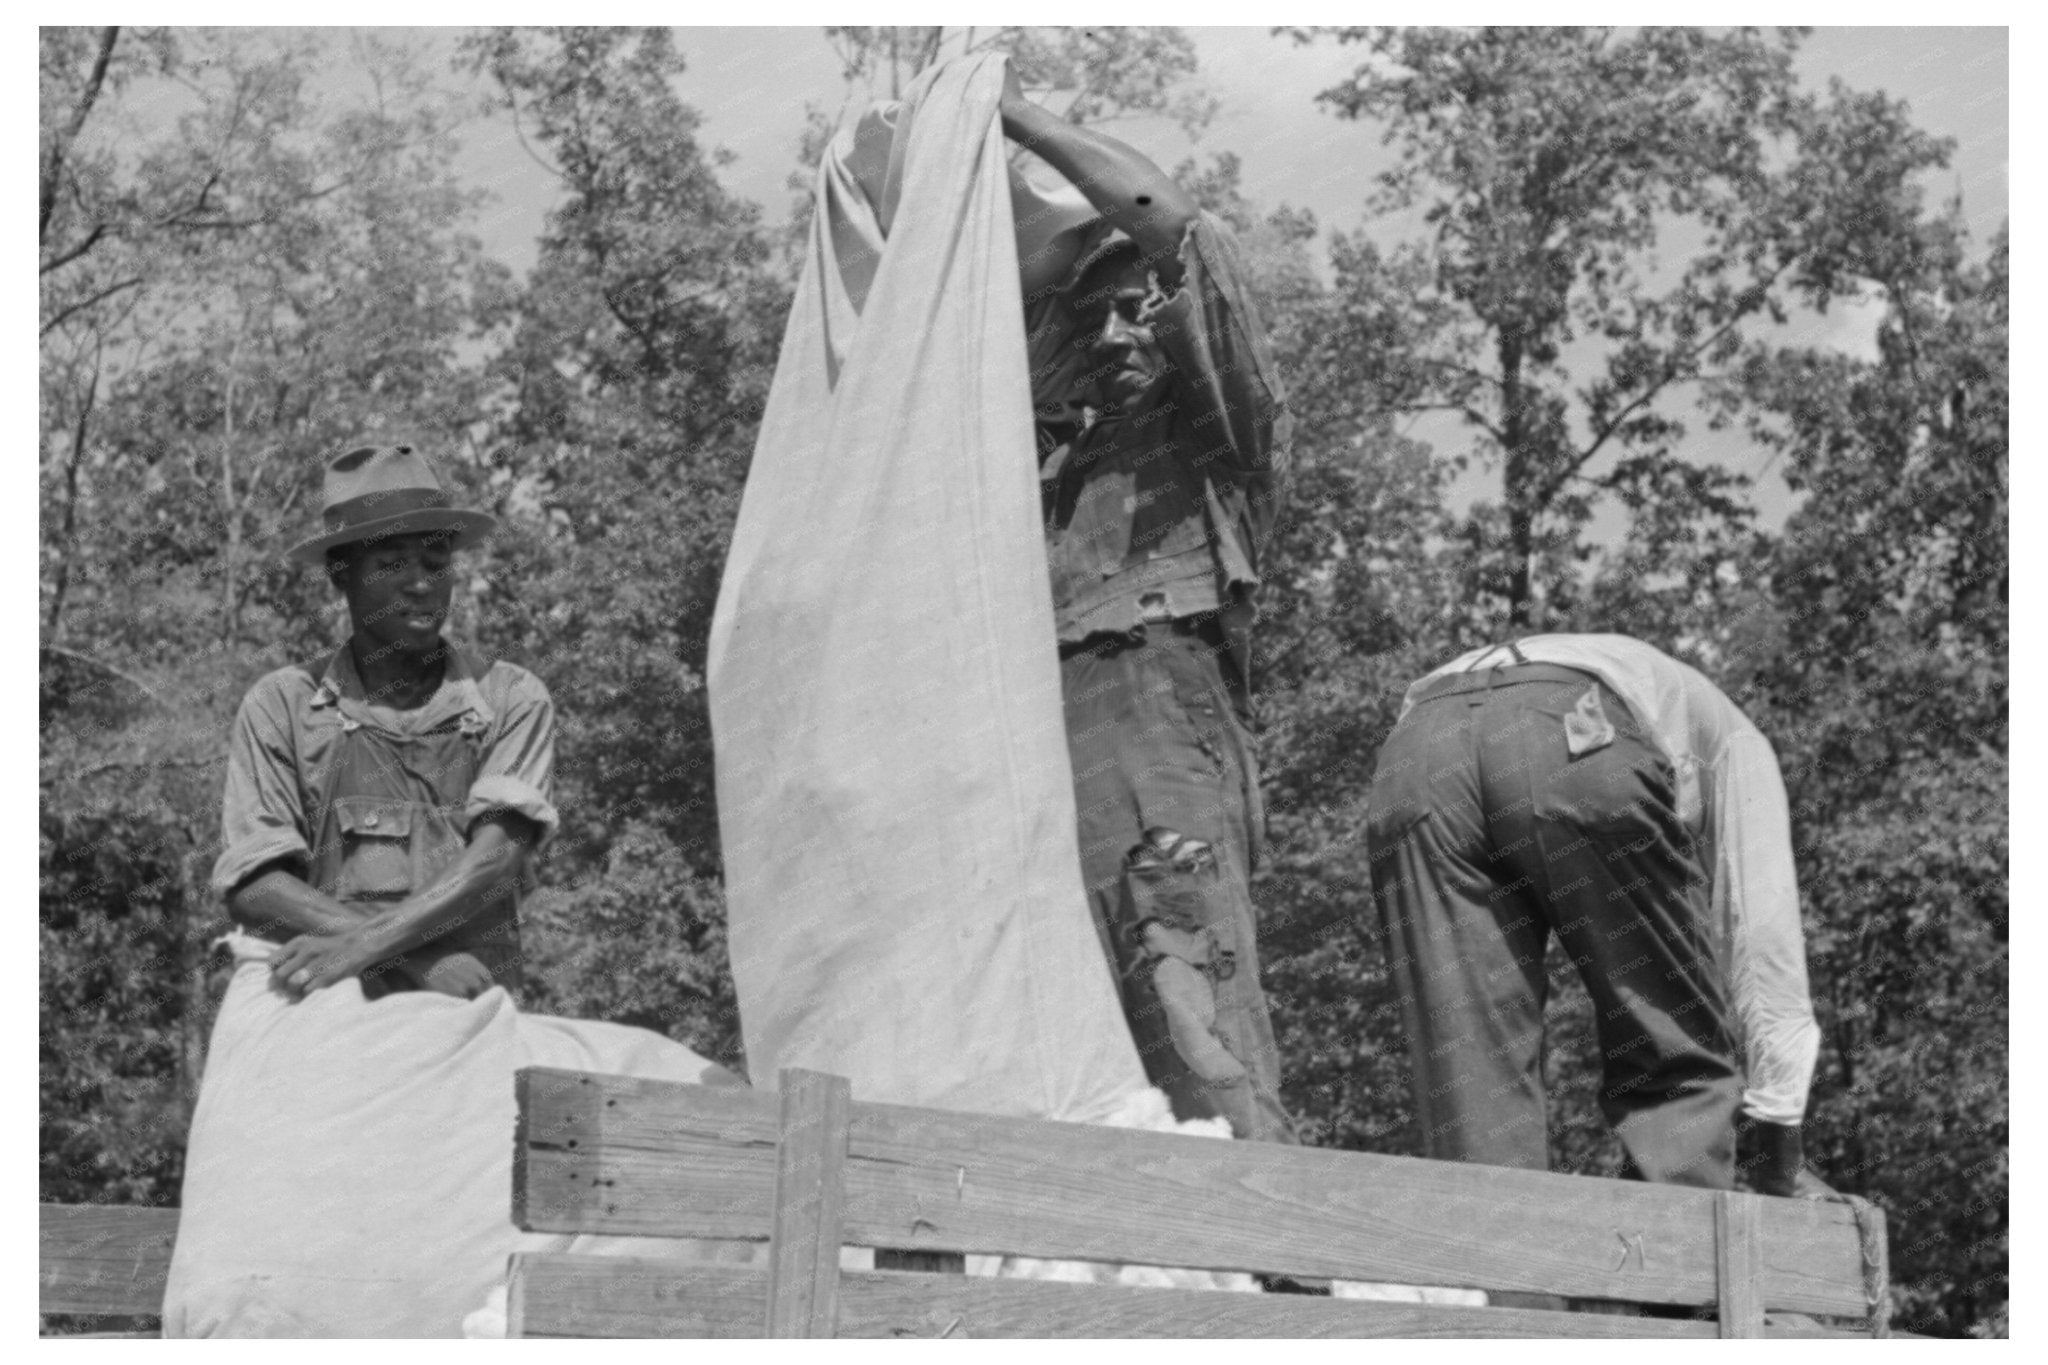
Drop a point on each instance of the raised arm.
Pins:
(1121, 182)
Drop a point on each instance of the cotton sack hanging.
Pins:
(894, 795)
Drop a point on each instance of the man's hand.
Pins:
(1773, 1156)
(1807, 1185)
(458, 974)
(312, 961)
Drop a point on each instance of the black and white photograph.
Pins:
(1029, 682)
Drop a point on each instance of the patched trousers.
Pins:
(1166, 791)
(1510, 805)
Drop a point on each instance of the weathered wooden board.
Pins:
(562, 1295)
(104, 1259)
(596, 1296)
(579, 1135)
(659, 1159)
(1740, 1260)
(810, 1201)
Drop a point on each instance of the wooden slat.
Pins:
(565, 1179)
(598, 1296)
(561, 1295)
(104, 1259)
(1877, 1273)
(810, 1203)
(670, 1160)
(1739, 1264)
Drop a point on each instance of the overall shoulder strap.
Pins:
(316, 669)
(1514, 649)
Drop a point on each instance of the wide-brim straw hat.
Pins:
(375, 491)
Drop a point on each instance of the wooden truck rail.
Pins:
(808, 1170)
(104, 1261)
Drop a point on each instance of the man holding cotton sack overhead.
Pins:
(894, 721)
(1162, 437)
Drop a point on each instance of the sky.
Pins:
(751, 86)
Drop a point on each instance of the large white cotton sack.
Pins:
(895, 804)
(349, 1167)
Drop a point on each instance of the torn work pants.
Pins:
(1509, 805)
(1166, 792)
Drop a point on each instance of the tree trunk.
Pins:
(53, 628)
(53, 156)
(1517, 484)
(231, 522)
(192, 948)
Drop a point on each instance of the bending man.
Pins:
(1591, 786)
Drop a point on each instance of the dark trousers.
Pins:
(1488, 834)
(1166, 790)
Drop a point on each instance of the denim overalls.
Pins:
(387, 814)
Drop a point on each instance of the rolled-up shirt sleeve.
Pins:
(262, 820)
(1756, 894)
(1211, 330)
(518, 769)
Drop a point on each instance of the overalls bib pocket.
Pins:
(378, 855)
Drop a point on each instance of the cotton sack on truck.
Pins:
(895, 801)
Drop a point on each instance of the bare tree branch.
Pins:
(119, 765)
(1671, 368)
(64, 258)
(102, 666)
(72, 310)
(53, 160)
(63, 584)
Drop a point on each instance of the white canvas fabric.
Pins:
(903, 887)
(349, 1169)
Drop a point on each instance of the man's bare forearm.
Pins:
(277, 899)
(486, 876)
(1120, 181)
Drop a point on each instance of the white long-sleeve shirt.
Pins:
(1732, 799)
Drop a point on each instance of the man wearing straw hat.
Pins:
(383, 804)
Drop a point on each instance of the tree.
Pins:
(1353, 571)
(639, 355)
(1547, 165)
(1868, 641)
(1877, 663)
(291, 273)
(1105, 73)
(296, 278)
